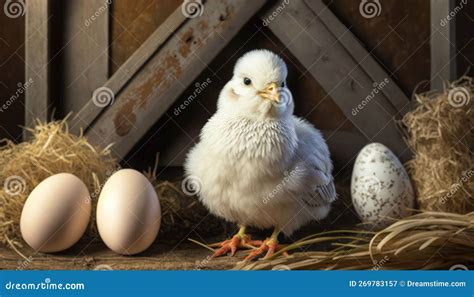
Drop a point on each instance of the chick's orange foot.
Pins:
(268, 247)
(238, 241)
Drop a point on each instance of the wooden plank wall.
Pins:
(398, 38)
(105, 95)
(364, 59)
(85, 50)
(443, 43)
(168, 73)
(12, 72)
(393, 39)
(348, 78)
(132, 23)
(37, 61)
(177, 130)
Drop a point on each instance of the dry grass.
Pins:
(51, 149)
(428, 240)
(441, 135)
(182, 215)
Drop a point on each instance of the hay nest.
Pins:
(182, 215)
(427, 240)
(441, 135)
(50, 150)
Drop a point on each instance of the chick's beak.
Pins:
(271, 92)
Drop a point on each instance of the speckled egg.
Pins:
(380, 187)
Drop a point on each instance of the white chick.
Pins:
(256, 163)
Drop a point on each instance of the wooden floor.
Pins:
(174, 253)
(96, 256)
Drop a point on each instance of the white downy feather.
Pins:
(257, 164)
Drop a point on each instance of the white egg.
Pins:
(380, 187)
(56, 213)
(128, 212)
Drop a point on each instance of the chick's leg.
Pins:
(239, 240)
(270, 246)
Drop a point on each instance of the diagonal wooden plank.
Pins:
(354, 48)
(90, 111)
(168, 72)
(341, 75)
(36, 61)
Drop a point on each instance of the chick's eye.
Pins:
(247, 81)
(282, 84)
